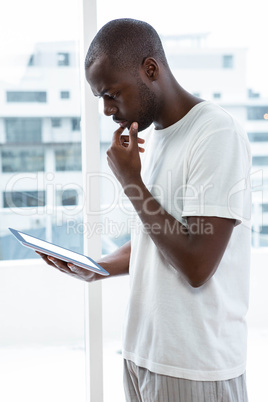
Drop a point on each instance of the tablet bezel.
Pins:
(61, 257)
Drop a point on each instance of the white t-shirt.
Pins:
(199, 166)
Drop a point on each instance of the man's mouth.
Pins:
(122, 123)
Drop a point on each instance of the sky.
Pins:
(231, 23)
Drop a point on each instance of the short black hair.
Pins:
(127, 43)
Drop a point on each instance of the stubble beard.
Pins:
(148, 106)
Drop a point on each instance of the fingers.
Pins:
(125, 144)
(81, 273)
(69, 268)
(54, 262)
(126, 140)
(133, 135)
(45, 258)
(117, 136)
(58, 263)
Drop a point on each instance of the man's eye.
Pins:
(113, 96)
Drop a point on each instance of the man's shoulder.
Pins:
(214, 119)
(212, 112)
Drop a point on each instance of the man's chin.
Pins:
(141, 127)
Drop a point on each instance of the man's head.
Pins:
(127, 43)
(122, 67)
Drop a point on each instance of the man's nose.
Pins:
(109, 110)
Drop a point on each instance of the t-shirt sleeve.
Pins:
(217, 176)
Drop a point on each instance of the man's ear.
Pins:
(150, 68)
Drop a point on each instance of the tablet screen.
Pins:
(58, 250)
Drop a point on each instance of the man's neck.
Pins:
(176, 105)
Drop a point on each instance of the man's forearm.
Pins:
(195, 254)
(117, 263)
(169, 235)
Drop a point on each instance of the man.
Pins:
(188, 258)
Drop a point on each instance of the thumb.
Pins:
(133, 135)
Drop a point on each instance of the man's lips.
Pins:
(122, 123)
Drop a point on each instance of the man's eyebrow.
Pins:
(100, 95)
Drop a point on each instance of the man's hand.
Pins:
(123, 156)
(70, 269)
(116, 264)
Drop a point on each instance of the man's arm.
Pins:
(195, 253)
(116, 264)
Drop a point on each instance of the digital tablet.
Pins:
(58, 252)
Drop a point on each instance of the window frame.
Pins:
(92, 244)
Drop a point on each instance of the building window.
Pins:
(68, 159)
(264, 230)
(76, 124)
(23, 130)
(252, 94)
(22, 199)
(55, 122)
(257, 112)
(264, 207)
(258, 137)
(67, 197)
(217, 95)
(23, 160)
(63, 59)
(26, 96)
(228, 61)
(65, 94)
(31, 61)
(260, 160)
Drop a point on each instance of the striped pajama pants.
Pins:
(141, 385)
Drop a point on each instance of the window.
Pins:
(76, 124)
(68, 159)
(26, 96)
(228, 61)
(27, 129)
(260, 160)
(264, 229)
(36, 310)
(252, 94)
(192, 61)
(63, 59)
(258, 137)
(23, 160)
(265, 207)
(31, 61)
(59, 307)
(55, 122)
(65, 94)
(68, 197)
(257, 112)
(22, 199)
(217, 95)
